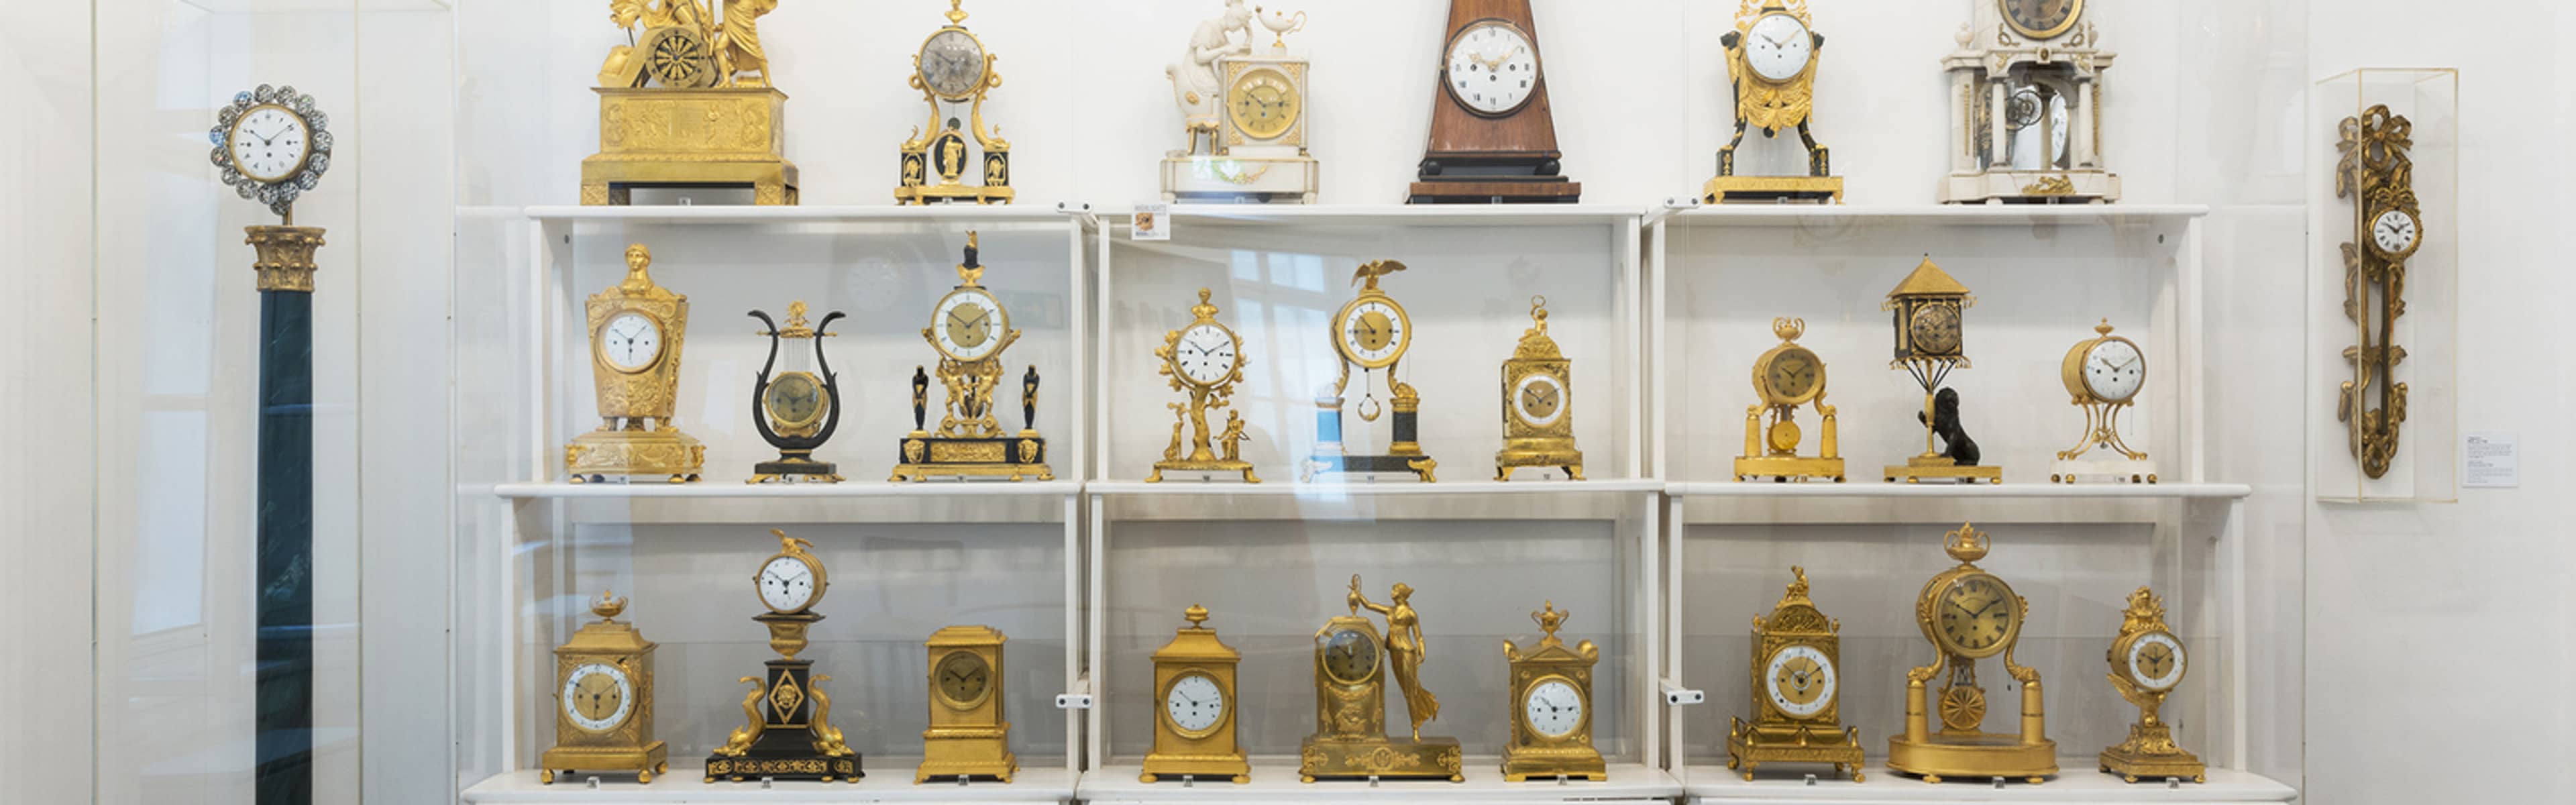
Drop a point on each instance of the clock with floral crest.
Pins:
(272, 144)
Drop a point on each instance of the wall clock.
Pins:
(2103, 375)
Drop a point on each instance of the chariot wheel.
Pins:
(679, 58)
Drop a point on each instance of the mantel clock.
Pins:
(1250, 105)
(604, 700)
(1551, 704)
(636, 328)
(2147, 661)
(1195, 728)
(1538, 404)
(1493, 136)
(796, 410)
(787, 732)
(1928, 345)
(1351, 665)
(1203, 359)
(1784, 378)
(2025, 106)
(1371, 332)
(1968, 615)
(2103, 375)
(970, 328)
(687, 103)
(1772, 55)
(953, 70)
(2387, 227)
(1797, 691)
(968, 737)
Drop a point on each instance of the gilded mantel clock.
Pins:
(1551, 704)
(970, 328)
(1352, 661)
(2147, 662)
(1195, 727)
(1493, 137)
(1203, 359)
(954, 72)
(1797, 691)
(1772, 55)
(688, 104)
(796, 410)
(968, 736)
(636, 327)
(1538, 404)
(1784, 378)
(1928, 305)
(1968, 615)
(1371, 332)
(604, 700)
(2025, 106)
(1250, 103)
(2387, 227)
(787, 732)
(2103, 375)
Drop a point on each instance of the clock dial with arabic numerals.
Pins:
(2156, 661)
(2114, 370)
(787, 584)
(598, 696)
(1799, 681)
(1492, 67)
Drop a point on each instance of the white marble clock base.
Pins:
(1279, 179)
(2117, 470)
(2031, 187)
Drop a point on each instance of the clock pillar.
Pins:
(284, 716)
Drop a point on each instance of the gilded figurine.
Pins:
(683, 45)
(1405, 650)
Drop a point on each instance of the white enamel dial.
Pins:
(2114, 370)
(1778, 47)
(1493, 67)
(969, 324)
(1194, 703)
(952, 63)
(269, 143)
(2393, 232)
(786, 584)
(630, 341)
(1799, 681)
(1373, 333)
(597, 696)
(1204, 355)
(2156, 661)
(1539, 399)
(1553, 708)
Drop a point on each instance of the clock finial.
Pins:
(2104, 328)
(1967, 544)
(1788, 329)
(607, 606)
(1204, 309)
(1374, 269)
(1550, 618)
(956, 12)
(1196, 615)
(971, 269)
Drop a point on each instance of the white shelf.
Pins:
(1175, 487)
(847, 214)
(887, 780)
(1277, 782)
(2077, 782)
(1488, 215)
(1762, 215)
(730, 489)
(1876, 489)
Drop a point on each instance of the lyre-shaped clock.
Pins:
(788, 732)
(1968, 615)
(970, 328)
(1538, 404)
(953, 70)
(2147, 661)
(1797, 691)
(2103, 375)
(796, 410)
(1204, 359)
(1371, 332)
(1786, 377)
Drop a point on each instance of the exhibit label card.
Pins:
(2490, 460)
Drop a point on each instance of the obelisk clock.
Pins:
(1493, 136)
(1538, 404)
(796, 410)
(953, 70)
(787, 732)
(688, 104)
(1372, 332)
(273, 145)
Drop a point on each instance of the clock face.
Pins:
(597, 697)
(952, 63)
(1794, 376)
(1778, 47)
(1373, 333)
(787, 584)
(1539, 399)
(1350, 656)
(269, 143)
(1935, 329)
(2394, 232)
(630, 342)
(963, 679)
(1493, 67)
(2041, 19)
(1976, 616)
(969, 324)
(1554, 709)
(1264, 104)
(794, 399)
(1194, 703)
(1205, 355)
(1799, 681)
(2156, 661)
(2113, 370)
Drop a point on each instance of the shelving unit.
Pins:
(1276, 782)
(887, 780)
(2076, 782)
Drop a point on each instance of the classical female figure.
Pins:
(1405, 651)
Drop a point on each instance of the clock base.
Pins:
(2031, 187)
(1973, 756)
(1749, 745)
(1496, 190)
(716, 137)
(795, 739)
(952, 194)
(593, 456)
(2134, 761)
(1240, 179)
(1213, 465)
(1547, 764)
(967, 753)
(2069, 471)
(568, 761)
(1546, 452)
(790, 470)
(1944, 472)
(1773, 190)
(1324, 758)
(1782, 469)
(1420, 466)
(924, 458)
(1173, 766)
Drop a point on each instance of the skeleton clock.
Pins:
(1538, 404)
(2025, 105)
(1797, 691)
(1493, 137)
(1195, 726)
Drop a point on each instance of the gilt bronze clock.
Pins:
(1371, 332)
(2025, 102)
(1493, 136)
(1195, 726)
(1772, 55)
(604, 700)
(2102, 376)
(1784, 378)
(954, 72)
(796, 410)
(1538, 404)
(1352, 661)
(688, 104)
(1203, 359)
(1250, 103)
(1968, 615)
(1551, 704)
(2147, 662)
(787, 731)
(636, 328)
(2376, 172)
(969, 328)
(968, 736)
(1928, 345)
(1797, 691)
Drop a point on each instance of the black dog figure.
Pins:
(1945, 423)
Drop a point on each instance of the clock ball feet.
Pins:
(1305, 778)
(1145, 778)
(546, 776)
(2034, 780)
(1934, 779)
(1855, 773)
(1430, 167)
(1241, 779)
(1550, 167)
(1457, 778)
(644, 776)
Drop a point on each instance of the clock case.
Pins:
(1195, 649)
(2101, 422)
(796, 444)
(1507, 158)
(1202, 455)
(1777, 737)
(1246, 167)
(938, 151)
(1350, 739)
(1525, 443)
(969, 443)
(1530, 755)
(1403, 451)
(2149, 753)
(2001, 73)
(628, 746)
(635, 437)
(787, 732)
(967, 740)
(668, 119)
(1770, 106)
(1762, 458)
(1930, 291)
(1969, 753)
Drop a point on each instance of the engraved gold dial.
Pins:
(1799, 681)
(969, 324)
(963, 679)
(2042, 19)
(794, 399)
(1350, 656)
(1976, 616)
(2156, 661)
(952, 63)
(1264, 104)
(1539, 399)
(1935, 329)
(1792, 377)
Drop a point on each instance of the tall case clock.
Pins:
(1797, 691)
(636, 328)
(2025, 105)
(1538, 404)
(969, 737)
(604, 700)
(1493, 137)
(1195, 724)
(1551, 706)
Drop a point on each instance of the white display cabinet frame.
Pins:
(2186, 529)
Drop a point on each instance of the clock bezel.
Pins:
(1225, 705)
(2412, 244)
(1825, 704)
(983, 67)
(627, 706)
(940, 692)
(233, 131)
(1231, 372)
(1771, 394)
(812, 567)
(1350, 352)
(1377, 649)
(2086, 362)
(2012, 626)
(661, 344)
(1564, 398)
(798, 424)
(1806, 68)
(1235, 92)
(1538, 63)
(1956, 329)
(1582, 722)
(939, 331)
(2138, 642)
(2074, 16)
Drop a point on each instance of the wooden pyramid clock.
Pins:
(1493, 139)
